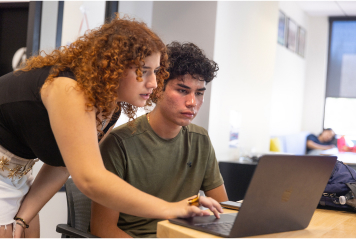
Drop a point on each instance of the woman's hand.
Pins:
(19, 231)
(183, 209)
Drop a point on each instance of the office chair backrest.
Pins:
(237, 177)
(79, 207)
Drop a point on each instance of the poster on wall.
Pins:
(235, 124)
(282, 28)
(301, 41)
(292, 35)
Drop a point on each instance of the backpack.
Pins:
(340, 191)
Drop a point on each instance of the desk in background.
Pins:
(324, 223)
(237, 175)
(348, 158)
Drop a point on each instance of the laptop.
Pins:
(282, 196)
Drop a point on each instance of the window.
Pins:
(340, 103)
(340, 115)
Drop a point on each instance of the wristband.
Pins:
(25, 225)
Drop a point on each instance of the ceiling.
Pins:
(328, 8)
(313, 8)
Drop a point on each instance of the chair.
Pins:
(79, 209)
(292, 143)
(237, 177)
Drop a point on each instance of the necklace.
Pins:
(148, 117)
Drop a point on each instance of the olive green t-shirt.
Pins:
(172, 169)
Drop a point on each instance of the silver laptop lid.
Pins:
(283, 194)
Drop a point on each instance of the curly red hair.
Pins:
(99, 58)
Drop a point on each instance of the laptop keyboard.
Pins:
(217, 227)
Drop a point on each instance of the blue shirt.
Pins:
(315, 139)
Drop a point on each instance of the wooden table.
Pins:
(324, 223)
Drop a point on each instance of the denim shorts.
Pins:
(15, 181)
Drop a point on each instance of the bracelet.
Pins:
(21, 224)
(25, 225)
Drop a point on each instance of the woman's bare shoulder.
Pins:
(61, 88)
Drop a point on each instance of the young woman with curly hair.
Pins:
(60, 105)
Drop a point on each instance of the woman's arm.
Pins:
(75, 131)
(74, 128)
(48, 181)
(54, 177)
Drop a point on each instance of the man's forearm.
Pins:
(110, 232)
(219, 193)
(103, 222)
(313, 145)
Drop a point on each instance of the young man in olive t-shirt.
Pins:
(164, 154)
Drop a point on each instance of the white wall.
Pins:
(289, 80)
(49, 25)
(299, 83)
(245, 48)
(315, 78)
(188, 21)
(140, 10)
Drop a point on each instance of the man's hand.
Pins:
(213, 205)
(182, 209)
(330, 146)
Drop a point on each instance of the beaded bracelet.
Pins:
(23, 221)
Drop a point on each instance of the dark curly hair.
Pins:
(187, 58)
(99, 59)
